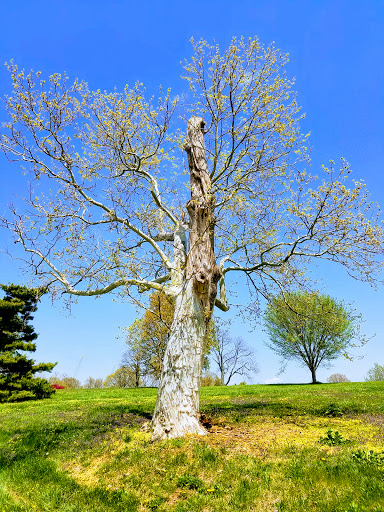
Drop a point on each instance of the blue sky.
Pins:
(336, 55)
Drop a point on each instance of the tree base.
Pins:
(162, 432)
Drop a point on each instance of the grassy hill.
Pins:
(269, 448)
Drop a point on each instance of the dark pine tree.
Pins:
(17, 336)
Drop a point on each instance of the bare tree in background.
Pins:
(337, 377)
(232, 357)
(92, 383)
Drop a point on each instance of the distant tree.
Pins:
(17, 336)
(311, 328)
(210, 379)
(147, 339)
(155, 328)
(135, 358)
(232, 356)
(65, 381)
(71, 382)
(93, 383)
(337, 377)
(121, 378)
(375, 373)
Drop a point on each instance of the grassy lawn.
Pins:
(270, 448)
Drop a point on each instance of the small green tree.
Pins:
(17, 381)
(375, 373)
(311, 328)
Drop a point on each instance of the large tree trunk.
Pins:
(177, 407)
(313, 374)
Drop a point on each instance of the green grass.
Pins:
(271, 448)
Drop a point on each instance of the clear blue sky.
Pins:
(337, 56)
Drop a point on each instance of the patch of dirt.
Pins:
(85, 475)
(261, 439)
(373, 419)
(128, 419)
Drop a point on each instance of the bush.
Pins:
(41, 388)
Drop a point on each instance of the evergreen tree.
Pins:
(17, 381)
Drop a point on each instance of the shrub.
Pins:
(57, 386)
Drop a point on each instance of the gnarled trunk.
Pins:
(177, 407)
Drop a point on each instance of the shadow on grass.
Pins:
(69, 429)
(257, 408)
(323, 407)
(52, 488)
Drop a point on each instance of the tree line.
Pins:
(310, 328)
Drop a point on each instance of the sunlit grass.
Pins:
(86, 450)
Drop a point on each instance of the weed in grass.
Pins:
(333, 438)
(127, 438)
(369, 457)
(191, 482)
(155, 503)
(214, 490)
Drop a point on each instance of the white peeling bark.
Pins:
(177, 407)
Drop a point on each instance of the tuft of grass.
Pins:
(191, 482)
